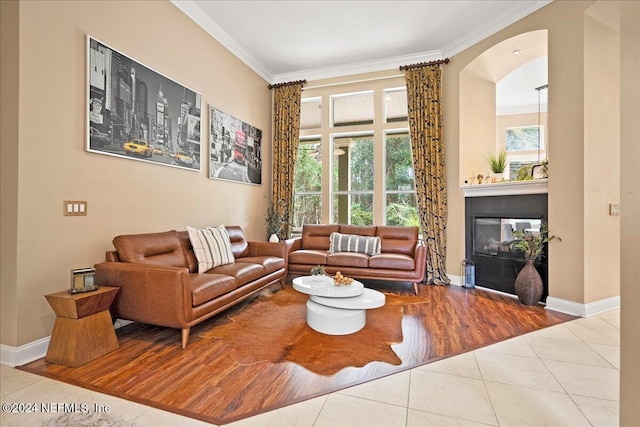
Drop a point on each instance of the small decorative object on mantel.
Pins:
(317, 273)
(528, 282)
(341, 280)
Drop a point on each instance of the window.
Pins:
(395, 105)
(307, 204)
(525, 147)
(352, 109)
(310, 113)
(400, 196)
(354, 158)
(526, 138)
(353, 180)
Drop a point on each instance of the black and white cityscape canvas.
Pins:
(135, 112)
(235, 148)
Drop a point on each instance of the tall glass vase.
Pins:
(529, 286)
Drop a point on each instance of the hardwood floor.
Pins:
(261, 355)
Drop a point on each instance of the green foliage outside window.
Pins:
(400, 200)
(523, 139)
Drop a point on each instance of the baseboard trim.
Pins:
(583, 310)
(454, 280)
(18, 356)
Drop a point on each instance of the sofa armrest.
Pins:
(293, 244)
(420, 257)
(149, 294)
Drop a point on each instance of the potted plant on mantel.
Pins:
(528, 284)
(498, 163)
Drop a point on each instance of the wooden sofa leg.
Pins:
(185, 337)
(415, 288)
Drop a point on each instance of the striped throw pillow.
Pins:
(211, 246)
(354, 243)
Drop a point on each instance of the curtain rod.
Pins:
(424, 64)
(354, 81)
(287, 84)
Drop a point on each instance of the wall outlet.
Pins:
(614, 209)
(75, 208)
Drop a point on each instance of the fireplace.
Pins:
(489, 225)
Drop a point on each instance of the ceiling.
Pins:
(294, 40)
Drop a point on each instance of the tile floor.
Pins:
(565, 375)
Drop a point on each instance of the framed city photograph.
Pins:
(235, 148)
(137, 113)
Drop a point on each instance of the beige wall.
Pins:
(124, 196)
(630, 219)
(9, 122)
(601, 158)
(478, 125)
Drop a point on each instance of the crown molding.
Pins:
(193, 11)
(359, 67)
(501, 21)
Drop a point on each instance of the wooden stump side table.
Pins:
(83, 330)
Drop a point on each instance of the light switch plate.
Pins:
(75, 208)
(614, 209)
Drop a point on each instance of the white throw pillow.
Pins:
(211, 246)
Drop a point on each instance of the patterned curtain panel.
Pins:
(424, 97)
(286, 133)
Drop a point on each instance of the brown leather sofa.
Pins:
(402, 257)
(159, 283)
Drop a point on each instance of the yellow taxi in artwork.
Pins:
(139, 147)
(183, 158)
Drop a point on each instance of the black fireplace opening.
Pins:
(490, 225)
(495, 236)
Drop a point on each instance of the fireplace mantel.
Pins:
(509, 188)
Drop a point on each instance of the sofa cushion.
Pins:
(348, 259)
(270, 263)
(243, 272)
(316, 236)
(398, 240)
(205, 287)
(307, 256)
(211, 246)
(162, 249)
(354, 243)
(392, 262)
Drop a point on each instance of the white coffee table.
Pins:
(337, 310)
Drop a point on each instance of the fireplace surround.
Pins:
(489, 225)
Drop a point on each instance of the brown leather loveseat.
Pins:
(157, 274)
(401, 257)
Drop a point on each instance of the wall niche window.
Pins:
(524, 138)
